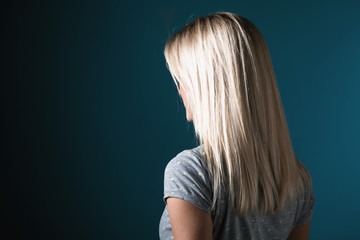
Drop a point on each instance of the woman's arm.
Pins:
(300, 232)
(188, 222)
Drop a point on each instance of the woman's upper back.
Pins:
(186, 177)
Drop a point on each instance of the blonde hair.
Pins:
(224, 65)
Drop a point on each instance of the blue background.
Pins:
(90, 115)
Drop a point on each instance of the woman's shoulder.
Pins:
(194, 154)
(186, 178)
(189, 159)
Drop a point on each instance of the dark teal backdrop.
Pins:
(90, 115)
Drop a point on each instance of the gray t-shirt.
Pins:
(186, 177)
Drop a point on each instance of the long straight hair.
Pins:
(223, 63)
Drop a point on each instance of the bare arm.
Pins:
(300, 232)
(188, 222)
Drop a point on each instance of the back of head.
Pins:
(223, 63)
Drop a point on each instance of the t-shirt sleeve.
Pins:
(308, 202)
(186, 178)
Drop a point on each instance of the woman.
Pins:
(243, 181)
